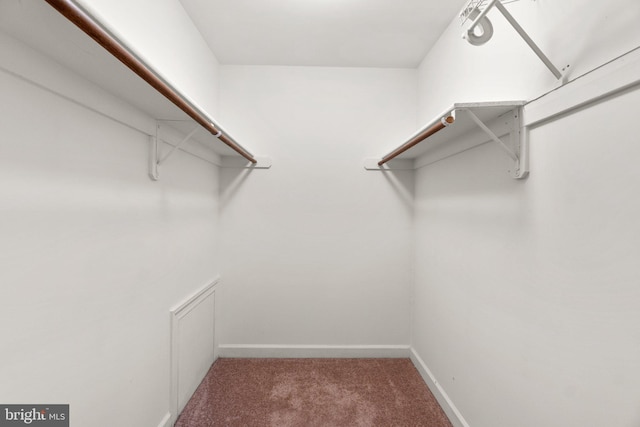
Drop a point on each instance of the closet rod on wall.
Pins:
(93, 29)
(444, 122)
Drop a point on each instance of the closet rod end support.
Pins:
(154, 173)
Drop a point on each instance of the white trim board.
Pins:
(606, 81)
(312, 351)
(441, 396)
(166, 421)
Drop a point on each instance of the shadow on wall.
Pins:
(452, 191)
(402, 183)
(230, 182)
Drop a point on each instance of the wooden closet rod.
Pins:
(443, 123)
(82, 20)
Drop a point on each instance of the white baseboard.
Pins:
(441, 396)
(166, 421)
(312, 351)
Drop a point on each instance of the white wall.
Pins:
(93, 253)
(317, 250)
(163, 35)
(526, 296)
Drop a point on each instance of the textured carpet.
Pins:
(312, 392)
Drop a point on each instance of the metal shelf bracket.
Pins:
(155, 159)
(516, 147)
(480, 30)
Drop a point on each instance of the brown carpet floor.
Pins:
(313, 392)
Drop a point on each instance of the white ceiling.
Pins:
(340, 33)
